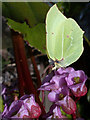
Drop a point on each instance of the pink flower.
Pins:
(26, 107)
(68, 105)
(76, 82)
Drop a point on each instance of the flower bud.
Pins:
(68, 105)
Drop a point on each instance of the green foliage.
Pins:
(64, 38)
(35, 36)
(88, 95)
(32, 12)
(1, 105)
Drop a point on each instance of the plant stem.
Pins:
(35, 68)
(22, 62)
(22, 68)
(19, 71)
(87, 40)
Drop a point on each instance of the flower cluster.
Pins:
(26, 107)
(64, 85)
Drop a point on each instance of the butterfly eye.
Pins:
(56, 61)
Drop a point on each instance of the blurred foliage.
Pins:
(71, 9)
(1, 104)
(88, 95)
(6, 35)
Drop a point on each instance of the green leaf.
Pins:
(40, 10)
(35, 36)
(5, 10)
(88, 95)
(20, 11)
(64, 38)
(31, 12)
(1, 105)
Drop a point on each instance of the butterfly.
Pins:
(64, 38)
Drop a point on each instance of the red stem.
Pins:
(19, 71)
(35, 68)
(22, 68)
(22, 62)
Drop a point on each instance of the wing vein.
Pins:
(62, 41)
(69, 55)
